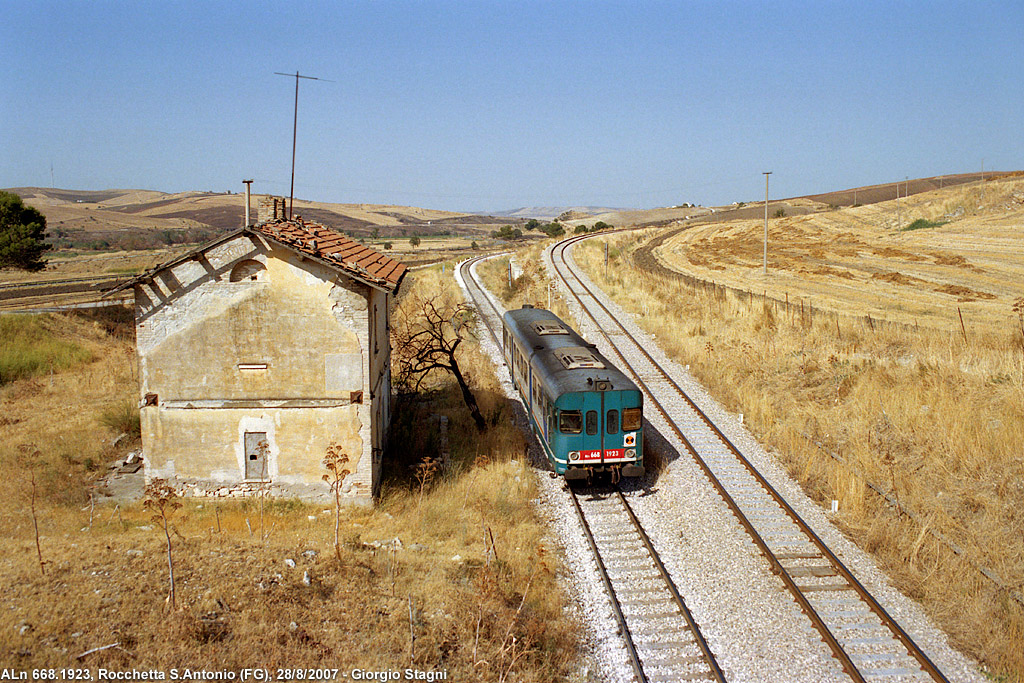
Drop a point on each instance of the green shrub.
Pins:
(123, 417)
(922, 223)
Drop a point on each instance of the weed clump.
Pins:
(123, 418)
(29, 347)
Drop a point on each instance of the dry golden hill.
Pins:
(915, 261)
(141, 218)
(868, 194)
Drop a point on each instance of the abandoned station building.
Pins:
(261, 349)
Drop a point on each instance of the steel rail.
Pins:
(85, 279)
(620, 618)
(467, 277)
(716, 671)
(828, 637)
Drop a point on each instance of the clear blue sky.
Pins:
(494, 105)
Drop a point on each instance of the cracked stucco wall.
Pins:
(292, 349)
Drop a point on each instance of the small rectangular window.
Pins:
(612, 422)
(570, 422)
(631, 419)
(592, 425)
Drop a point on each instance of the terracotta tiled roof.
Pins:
(317, 240)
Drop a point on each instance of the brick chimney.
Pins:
(271, 209)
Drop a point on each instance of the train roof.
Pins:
(565, 361)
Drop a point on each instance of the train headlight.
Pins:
(574, 455)
(630, 454)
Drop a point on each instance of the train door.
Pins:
(592, 440)
(603, 426)
(611, 432)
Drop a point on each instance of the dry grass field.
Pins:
(530, 286)
(449, 574)
(928, 412)
(964, 252)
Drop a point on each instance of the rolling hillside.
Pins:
(134, 219)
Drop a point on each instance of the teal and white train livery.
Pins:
(587, 414)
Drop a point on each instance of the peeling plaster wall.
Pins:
(316, 333)
(379, 308)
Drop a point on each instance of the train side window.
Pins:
(570, 422)
(631, 419)
(612, 422)
(592, 426)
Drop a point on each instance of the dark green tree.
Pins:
(414, 241)
(507, 232)
(22, 230)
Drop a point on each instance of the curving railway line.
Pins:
(663, 641)
(73, 292)
(862, 636)
(868, 643)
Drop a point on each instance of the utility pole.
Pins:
(295, 130)
(766, 174)
(982, 180)
(899, 219)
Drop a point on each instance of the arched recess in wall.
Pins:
(248, 270)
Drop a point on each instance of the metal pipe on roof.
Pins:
(248, 187)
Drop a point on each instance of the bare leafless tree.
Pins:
(31, 454)
(335, 463)
(428, 333)
(425, 472)
(35, 523)
(162, 501)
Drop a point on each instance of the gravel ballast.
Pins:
(751, 623)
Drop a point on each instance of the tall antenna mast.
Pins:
(295, 130)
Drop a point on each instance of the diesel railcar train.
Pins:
(587, 414)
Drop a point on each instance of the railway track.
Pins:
(663, 641)
(85, 280)
(867, 642)
(490, 314)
